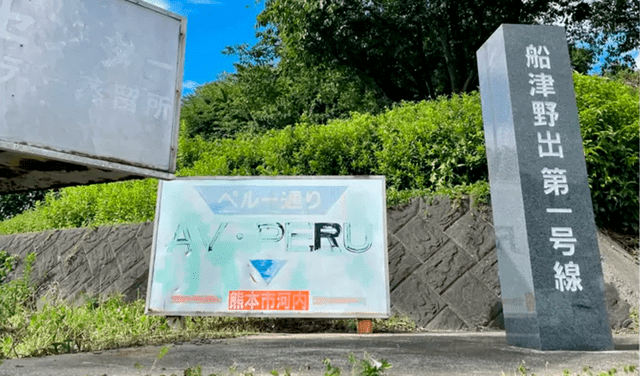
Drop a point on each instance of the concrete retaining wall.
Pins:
(442, 263)
(87, 260)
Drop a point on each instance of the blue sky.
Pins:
(211, 26)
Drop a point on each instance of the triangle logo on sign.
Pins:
(268, 268)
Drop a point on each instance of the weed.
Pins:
(163, 351)
(16, 303)
(368, 366)
(233, 370)
(361, 367)
(330, 370)
(395, 323)
(611, 372)
(522, 369)
(7, 263)
(193, 371)
(98, 324)
(586, 371)
(58, 327)
(633, 315)
(287, 372)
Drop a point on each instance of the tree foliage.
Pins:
(318, 60)
(416, 49)
(411, 49)
(607, 28)
(12, 204)
(267, 94)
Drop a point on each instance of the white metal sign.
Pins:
(286, 246)
(97, 79)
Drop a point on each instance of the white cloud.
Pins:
(207, 2)
(189, 85)
(183, 7)
(637, 60)
(164, 4)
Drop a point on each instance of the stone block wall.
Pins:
(87, 260)
(442, 263)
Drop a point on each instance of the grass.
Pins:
(367, 366)
(633, 315)
(110, 322)
(630, 369)
(60, 327)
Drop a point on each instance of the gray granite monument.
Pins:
(549, 263)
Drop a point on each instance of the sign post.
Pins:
(549, 264)
(270, 247)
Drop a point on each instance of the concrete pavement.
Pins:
(451, 353)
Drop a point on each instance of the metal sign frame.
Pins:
(179, 77)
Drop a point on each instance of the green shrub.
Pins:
(93, 205)
(422, 148)
(16, 302)
(426, 145)
(60, 327)
(433, 144)
(7, 263)
(608, 112)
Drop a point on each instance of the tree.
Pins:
(12, 204)
(582, 59)
(411, 49)
(417, 49)
(271, 92)
(318, 60)
(606, 28)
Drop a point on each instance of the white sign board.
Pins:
(97, 79)
(279, 247)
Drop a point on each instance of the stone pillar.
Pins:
(549, 263)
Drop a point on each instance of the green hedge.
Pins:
(420, 147)
(609, 121)
(93, 205)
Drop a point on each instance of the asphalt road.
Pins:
(459, 353)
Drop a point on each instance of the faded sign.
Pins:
(99, 79)
(284, 246)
